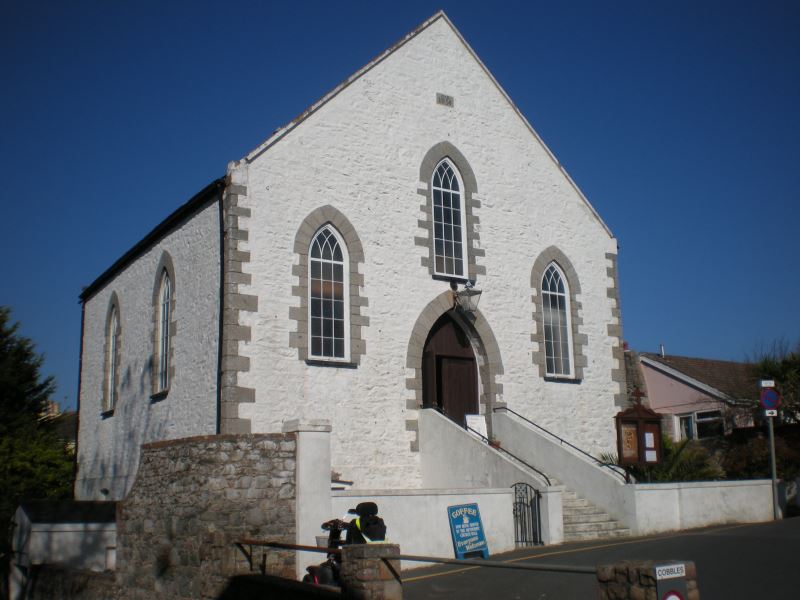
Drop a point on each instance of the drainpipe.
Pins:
(221, 192)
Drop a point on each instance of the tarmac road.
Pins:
(734, 562)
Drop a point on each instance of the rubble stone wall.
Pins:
(191, 501)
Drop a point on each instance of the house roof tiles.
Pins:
(735, 379)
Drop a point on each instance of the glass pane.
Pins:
(327, 271)
(316, 308)
(316, 326)
(327, 347)
(327, 328)
(338, 329)
(338, 273)
(338, 309)
(316, 346)
(338, 291)
(327, 309)
(337, 253)
(437, 199)
(339, 348)
(327, 290)
(438, 231)
(439, 264)
(315, 269)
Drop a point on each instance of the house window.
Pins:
(699, 425)
(709, 423)
(328, 299)
(111, 389)
(686, 427)
(449, 226)
(555, 319)
(163, 332)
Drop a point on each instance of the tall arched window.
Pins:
(328, 296)
(449, 222)
(111, 389)
(555, 318)
(163, 332)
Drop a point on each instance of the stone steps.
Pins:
(585, 521)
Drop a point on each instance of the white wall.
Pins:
(361, 152)
(108, 449)
(672, 506)
(84, 546)
(578, 473)
(418, 519)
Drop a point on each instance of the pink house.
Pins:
(699, 397)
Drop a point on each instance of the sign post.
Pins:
(770, 401)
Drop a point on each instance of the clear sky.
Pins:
(679, 120)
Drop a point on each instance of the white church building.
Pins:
(319, 282)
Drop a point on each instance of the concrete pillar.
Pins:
(366, 576)
(551, 513)
(640, 580)
(313, 485)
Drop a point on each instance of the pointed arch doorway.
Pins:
(450, 371)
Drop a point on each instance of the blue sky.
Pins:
(679, 120)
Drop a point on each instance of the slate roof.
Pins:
(736, 379)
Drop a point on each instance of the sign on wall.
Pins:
(466, 528)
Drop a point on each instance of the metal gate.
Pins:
(527, 522)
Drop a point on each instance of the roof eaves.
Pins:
(696, 383)
(182, 212)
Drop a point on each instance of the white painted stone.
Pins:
(417, 519)
(108, 449)
(361, 152)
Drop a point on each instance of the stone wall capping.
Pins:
(312, 425)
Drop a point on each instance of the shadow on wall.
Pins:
(133, 424)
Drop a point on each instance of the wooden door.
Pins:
(449, 371)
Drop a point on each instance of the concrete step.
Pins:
(607, 525)
(596, 517)
(596, 535)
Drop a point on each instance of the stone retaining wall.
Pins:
(192, 499)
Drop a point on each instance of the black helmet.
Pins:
(365, 509)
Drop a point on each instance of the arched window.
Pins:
(449, 222)
(555, 319)
(328, 296)
(163, 332)
(111, 388)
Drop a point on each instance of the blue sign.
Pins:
(467, 531)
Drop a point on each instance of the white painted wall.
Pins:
(312, 486)
(451, 457)
(418, 519)
(361, 152)
(84, 546)
(644, 508)
(577, 472)
(108, 449)
(672, 506)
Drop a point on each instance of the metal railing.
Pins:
(430, 559)
(616, 469)
(501, 449)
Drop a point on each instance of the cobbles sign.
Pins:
(467, 531)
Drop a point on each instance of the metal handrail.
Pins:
(498, 447)
(431, 559)
(616, 469)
